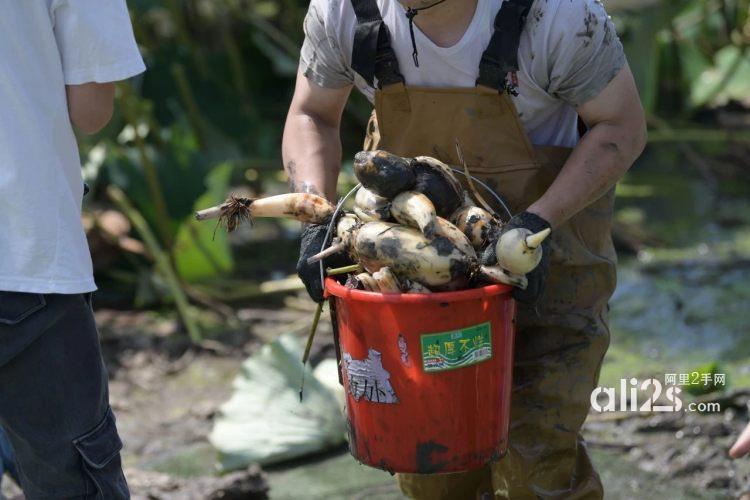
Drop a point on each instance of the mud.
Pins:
(371, 207)
(460, 270)
(306, 207)
(686, 448)
(383, 173)
(443, 246)
(426, 463)
(537, 14)
(410, 255)
(477, 224)
(249, 484)
(456, 237)
(433, 184)
(390, 247)
(590, 22)
(166, 393)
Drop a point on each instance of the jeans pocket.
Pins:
(17, 306)
(100, 451)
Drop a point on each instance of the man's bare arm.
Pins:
(90, 105)
(616, 137)
(311, 148)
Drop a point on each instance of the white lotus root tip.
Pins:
(535, 240)
(519, 251)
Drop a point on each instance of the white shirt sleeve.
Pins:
(584, 51)
(96, 41)
(321, 58)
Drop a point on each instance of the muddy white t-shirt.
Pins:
(568, 53)
(44, 46)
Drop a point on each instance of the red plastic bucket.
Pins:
(427, 377)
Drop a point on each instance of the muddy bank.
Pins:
(687, 449)
(166, 393)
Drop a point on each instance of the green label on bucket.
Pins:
(457, 348)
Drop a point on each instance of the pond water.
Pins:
(682, 302)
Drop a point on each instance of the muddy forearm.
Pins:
(602, 157)
(311, 150)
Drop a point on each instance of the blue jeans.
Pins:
(54, 399)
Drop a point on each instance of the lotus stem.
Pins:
(311, 335)
(354, 268)
(163, 262)
(336, 247)
(470, 180)
(308, 346)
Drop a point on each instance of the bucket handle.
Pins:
(341, 202)
(497, 197)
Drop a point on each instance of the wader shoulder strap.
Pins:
(372, 54)
(501, 55)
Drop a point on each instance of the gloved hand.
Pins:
(311, 243)
(538, 277)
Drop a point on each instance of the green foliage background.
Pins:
(209, 112)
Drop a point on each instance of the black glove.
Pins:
(312, 240)
(538, 277)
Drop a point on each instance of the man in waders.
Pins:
(508, 79)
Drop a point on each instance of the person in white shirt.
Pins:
(58, 62)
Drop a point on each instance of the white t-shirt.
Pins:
(45, 45)
(568, 53)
